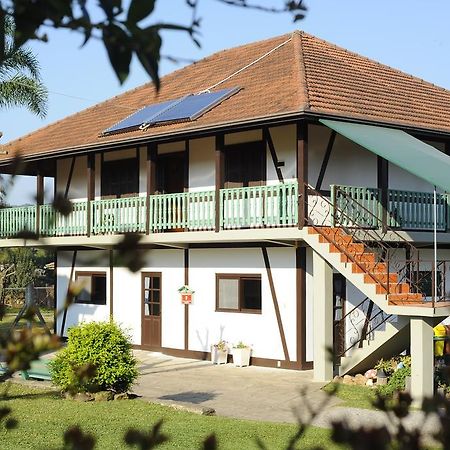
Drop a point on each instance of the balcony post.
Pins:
(302, 172)
(90, 190)
(39, 199)
(383, 187)
(152, 151)
(220, 163)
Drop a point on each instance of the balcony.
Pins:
(361, 207)
(239, 208)
(252, 207)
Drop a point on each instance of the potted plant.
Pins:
(219, 352)
(241, 354)
(384, 370)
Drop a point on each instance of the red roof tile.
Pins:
(300, 74)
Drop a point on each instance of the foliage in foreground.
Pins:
(97, 357)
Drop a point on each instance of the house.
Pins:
(288, 182)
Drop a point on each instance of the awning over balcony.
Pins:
(399, 148)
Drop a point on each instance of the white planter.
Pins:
(241, 357)
(219, 356)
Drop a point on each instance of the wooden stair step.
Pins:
(380, 277)
(394, 288)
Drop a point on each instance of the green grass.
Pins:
(353, 396)
(11, 314)
(43, 416)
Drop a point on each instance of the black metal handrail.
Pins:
(365, 330)
(322, 213)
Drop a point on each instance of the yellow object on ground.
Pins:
(439, 331)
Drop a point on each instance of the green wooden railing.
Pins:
(118, 215)
(414, 210)
(182, 211)
(252, 207)
(408, 210)
(259, 206)
(17, 219)
(53, 223)
(356, 206)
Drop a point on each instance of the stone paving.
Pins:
(256, 393)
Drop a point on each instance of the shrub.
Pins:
(396, 383)
(97, 357)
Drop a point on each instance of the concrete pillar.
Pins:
(323, 319)
(422, 358)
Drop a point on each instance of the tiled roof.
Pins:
(286, 75)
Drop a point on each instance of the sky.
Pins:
(410, 35)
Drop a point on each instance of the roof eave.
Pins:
(240, 125)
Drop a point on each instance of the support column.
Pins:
(90, 189)
(422, 359)
(383, 186)
(39, 200)
(323, 318)
(152, 152)
(220, 163)
(302, 172)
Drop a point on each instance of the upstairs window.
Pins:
(120, 177)
(94, 288)
(238, 293)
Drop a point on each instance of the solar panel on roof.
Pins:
(192, 107)
(183, 109)
(136, 119)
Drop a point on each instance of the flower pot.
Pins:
(219, 356)
(241, 356)
(408, 384)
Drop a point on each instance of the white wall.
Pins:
(78, 184)
(206, 326)
(349, 164)
(259, 330)
(128, 296)
(202, 164)
(88, 261)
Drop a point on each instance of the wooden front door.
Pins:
(339, 298)
(151, 311)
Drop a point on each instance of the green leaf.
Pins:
(147, 47)
(139, 10)
(111, 7)
(118, 46)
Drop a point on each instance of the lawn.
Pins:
(43, 416)
(353, 396)
(11, 314)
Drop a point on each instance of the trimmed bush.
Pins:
(396, 382)
(97, 357)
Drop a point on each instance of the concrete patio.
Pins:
(257, 393)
